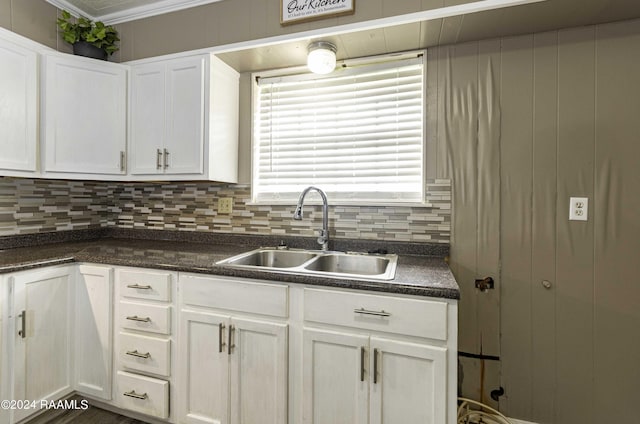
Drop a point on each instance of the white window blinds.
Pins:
(357, 134)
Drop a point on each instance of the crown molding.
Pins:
(133, 13)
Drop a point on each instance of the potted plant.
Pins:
(91, 39)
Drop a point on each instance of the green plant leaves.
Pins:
(83, 29)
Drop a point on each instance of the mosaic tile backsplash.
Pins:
(30, 206)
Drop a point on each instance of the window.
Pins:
(356, 133)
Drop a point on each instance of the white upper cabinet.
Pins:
(184, 119)
(18, 109)
(84, 115)
(147, 119)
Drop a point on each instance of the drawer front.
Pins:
(143, 394)
(143, 317)
(235, 295)
(412, 317)
(145, 285)
(146, 354)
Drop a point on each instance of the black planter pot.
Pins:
(82, 48)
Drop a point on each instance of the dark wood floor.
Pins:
(92, 415)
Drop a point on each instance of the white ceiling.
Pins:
(117, 11)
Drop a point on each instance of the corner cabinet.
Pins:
(92, 330)
(84, 115)
(184, 119)
(18, 108)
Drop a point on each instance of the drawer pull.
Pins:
(361, 363)
(138, 354)
(139, 287)
(363, 311)
(221, 342)
(137, 318)
(133, 394)
(375, 366)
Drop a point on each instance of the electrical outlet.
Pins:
(578, 208)
(225, 205)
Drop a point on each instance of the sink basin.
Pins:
(350, 264)
(271, 258)
(317, 262)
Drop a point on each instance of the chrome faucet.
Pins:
(297, 215)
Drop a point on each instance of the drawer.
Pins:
(144, 317)
(145, 285)
(235, 295)
(146, 354)
(412, 317)
(143, 394)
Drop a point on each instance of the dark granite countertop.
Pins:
(415, 274)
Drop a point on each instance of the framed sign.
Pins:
(294, 11)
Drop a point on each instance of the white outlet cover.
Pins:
(578, 208)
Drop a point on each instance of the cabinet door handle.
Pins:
(230, 344)
(363, 311)
(137, 318)
(138, 354)
(221, 342)
(361, 363)
(138, 286)
(158, 159)
(375, 366)
(166, 158)
(122, 157)
(133, 394)
(23, 318)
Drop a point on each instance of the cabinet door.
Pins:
(259, 365)
(335, 379)
(92, 331)
(41, 308)
(85, 115)
(184, 142)
(203, 368)
(147, 118)
(410, 384)
(18, 107)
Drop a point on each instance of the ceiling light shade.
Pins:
(322, 57)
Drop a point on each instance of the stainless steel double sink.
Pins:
(317, 262)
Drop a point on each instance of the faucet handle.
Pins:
(323, 237)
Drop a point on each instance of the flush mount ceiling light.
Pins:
(322, 57)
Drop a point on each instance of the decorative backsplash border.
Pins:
(33, 206)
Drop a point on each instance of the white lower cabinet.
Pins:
(357, 379)
(233, 366)
(92, 331)
(41, 313)
(335, 378)
(195, 349)
(144, 343)
(362, 361)
(408, 382)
